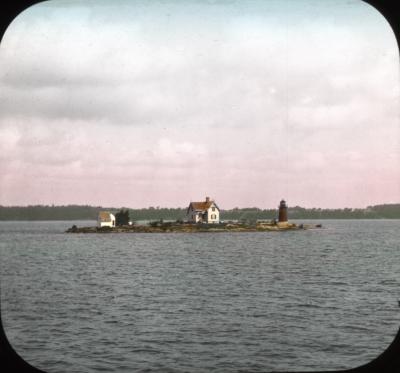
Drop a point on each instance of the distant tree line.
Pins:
(158, 213)
(40, 212)
(387, 211)
(78, 212)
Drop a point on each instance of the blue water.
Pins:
(202, 302)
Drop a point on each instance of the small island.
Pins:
(201, 217)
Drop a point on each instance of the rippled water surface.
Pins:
(201, 302)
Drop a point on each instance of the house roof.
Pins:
(105, 216)
(202, 206)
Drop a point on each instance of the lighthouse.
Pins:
(282, 218)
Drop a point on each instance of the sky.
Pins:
(159, 103)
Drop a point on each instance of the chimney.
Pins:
(207, 199)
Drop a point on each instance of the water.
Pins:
(203, 302)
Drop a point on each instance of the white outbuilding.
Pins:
(105, 219)
(203, 212)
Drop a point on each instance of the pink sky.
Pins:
(154, 105)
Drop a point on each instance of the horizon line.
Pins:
(185, 207)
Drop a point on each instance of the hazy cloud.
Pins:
(162, 103)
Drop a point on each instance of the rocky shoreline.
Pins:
(160, 227)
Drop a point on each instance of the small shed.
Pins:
(106, 219)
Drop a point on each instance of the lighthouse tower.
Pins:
(282, 218)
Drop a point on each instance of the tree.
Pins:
(122, 217)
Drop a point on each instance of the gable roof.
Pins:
(105, 216)
(202, 206)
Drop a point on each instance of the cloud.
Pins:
(170, 104)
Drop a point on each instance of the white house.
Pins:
(203, 212)
(105, 219)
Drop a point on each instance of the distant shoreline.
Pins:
(79, 212)
(92, 219)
